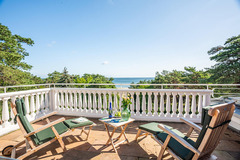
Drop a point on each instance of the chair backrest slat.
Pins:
(217, 126)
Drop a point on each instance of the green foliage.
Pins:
(64, 77)
(10, 76)
(53, 77)
(192, 76)
(227, 68)
(12, 52)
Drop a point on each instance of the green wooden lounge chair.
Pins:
(215, 120)
(45, 135)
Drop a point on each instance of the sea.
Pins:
(129, 80)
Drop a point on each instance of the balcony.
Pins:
(162, 105)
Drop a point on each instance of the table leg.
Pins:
(123, 131)
(110, 137)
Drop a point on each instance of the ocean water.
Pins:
(129, 81)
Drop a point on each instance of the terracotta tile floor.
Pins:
(147, 148)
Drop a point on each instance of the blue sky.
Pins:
(120, 38)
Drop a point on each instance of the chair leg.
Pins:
(62, 143)
(88, 132)
(138, 133)
(163, 148)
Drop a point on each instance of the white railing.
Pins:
(38, 103)
(147, 104)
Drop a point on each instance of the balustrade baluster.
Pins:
(200, 105)
(155, 109)
(89, 101)
(27, 106)
(193, 106)
(42, 102)
(168, 104)
(137, 104)
(5, 112)
(132, 105)
(80, 104)
(186, 115)
(149, 104)
(99, 102)
(120, 100)
(62, 101)
(94, 102)
(162, 104)
(144, 107)
(180, 105)
(37, 103)
(115, 109)
(104, 102)
(174, 105)
(85, 101)
(47, 107)
(32, 106)
(75, 101)
(71, 101)
(66, 101)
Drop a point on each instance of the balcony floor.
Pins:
(147, 148)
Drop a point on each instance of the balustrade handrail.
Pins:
(16, 93)
(139, 90)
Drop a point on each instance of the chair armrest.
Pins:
(46, 116)
(193, 125)
(44, 127)
(179, 139)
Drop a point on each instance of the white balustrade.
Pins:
(32, 105)
(147, 104)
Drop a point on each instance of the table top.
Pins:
(115, 122)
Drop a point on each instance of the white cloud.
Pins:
(51, 44)
(105, 63)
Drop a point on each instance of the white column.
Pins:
(62, 101)
(89, 101)
(162, 104)
(120, 101)
(66, 101)
(115, 102)
(144, 103)
(75, 101)
(137, 104)
(200, 104)
(94, 102)
(174, 104)
(5, 113)
(47, 107)
(149, 104)
(57, 100)
(71, 101)
(27, 106)
(42, 105)
(99, 102)
(37, 103)
(193, 106)
(186, 115)
(180, 105)
(32, 106)
(80, 104)
(155, 110)
(84, 101)
(132, 105)
(168, 104)
(104, 102)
